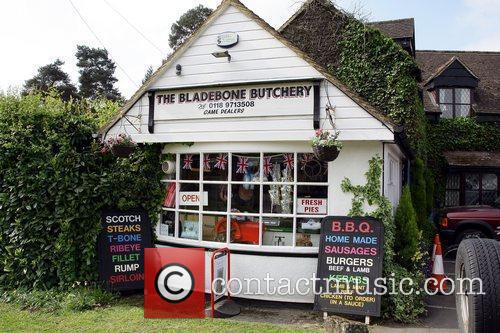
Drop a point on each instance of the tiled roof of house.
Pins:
(484, 65)
(402, 28)
(472, 159)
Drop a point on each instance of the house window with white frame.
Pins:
(255, 199)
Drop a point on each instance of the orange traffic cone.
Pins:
(436, 242)
(436, 282)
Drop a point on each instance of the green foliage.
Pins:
(187, 24)
(378, 69)
(419, 198)
(50, 77)
(399, 307)
(148, 74)
(406, 244)
(80, 298)
(429, 186)
(396, 306)
(53, 185)
(371, 194)
(462, 133)
(97, 74)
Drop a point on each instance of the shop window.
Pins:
(167, 225)
(245, 198)
(246, 167)
(216, 197)
(214, 228)
(307, 232)
(269, 199)
(190, 166)
(311, 170)
(215, 166)
(189, 196)
(278, 167)
(244, 229)
(278, 199)
(189, 225)
(277, 231)
(312, 200)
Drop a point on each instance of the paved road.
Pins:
(441, 313)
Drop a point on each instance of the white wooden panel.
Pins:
(237, 66)
(244, 36)
(258, 57)
(256, 75)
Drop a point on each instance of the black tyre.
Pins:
(470, 233)
(478, 259)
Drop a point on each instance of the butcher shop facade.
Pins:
(236, 120)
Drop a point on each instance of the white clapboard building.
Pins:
(236, 107)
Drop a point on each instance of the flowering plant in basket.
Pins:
(121, 146)
(326, 147)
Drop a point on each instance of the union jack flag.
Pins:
(206, 162)
(267, 165)
(188, 162)
(221, 162)
(242, 165)
(306, 158)
(288, 161)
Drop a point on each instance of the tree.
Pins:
(430, 187)
(49, 77)
(419, 197)
(148, 74)
(406, 243)
(187, 24)
(96, 74)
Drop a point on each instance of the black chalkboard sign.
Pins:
(349, 260)
(121, 245)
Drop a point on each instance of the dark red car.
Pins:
(458, 223)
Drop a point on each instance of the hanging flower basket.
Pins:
(326, 147)
(326, 153)
(120, 146)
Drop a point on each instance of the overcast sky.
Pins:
(35, 33)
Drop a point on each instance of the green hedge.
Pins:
(54, 183)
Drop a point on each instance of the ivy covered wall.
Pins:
(464, 134)
(368, 62)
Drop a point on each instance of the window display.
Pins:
(277, 231)
(214, 228)
(267, 199)
(188, 225)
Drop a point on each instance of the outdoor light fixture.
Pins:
(224, 54)
(178, 69)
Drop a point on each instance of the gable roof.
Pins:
(401, 28)
(483, 65)
(223, 5)
(444, 66)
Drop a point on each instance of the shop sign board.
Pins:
(121, 244)
(311, 206)
(350, 259)
(192, 198)
(263, 100)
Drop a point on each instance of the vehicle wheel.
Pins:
(470, 233)
(478, 259)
